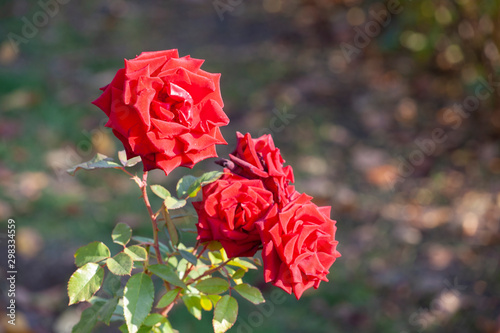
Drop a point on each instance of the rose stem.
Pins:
(209, 271)
(152, 216)
(197, 257)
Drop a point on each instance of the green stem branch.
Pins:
(210, 271)
(144, 189)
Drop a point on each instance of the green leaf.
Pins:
(173, 203)
(171, 228)
(204, 179)
(121, 264)
(122, 156)
(98, 162)
(173, 261)
(118, 314)
(184, 184)
(238, 274)
(225, 314)
(121, 234)
(182, 265)
(257, 261)
(107, 310)
(93, 252)
(198, 271)
(88, 319)
(193, 305)
(188, 256)
(160, 191)
(146, 329)
(215, 258)
(214, 298)
(227, 272)
(165, 272)
(112, 284)
(137, 253)
(214, 246)
(168, 298)
(241, 264)
(166, 327)
(133, 161)
(153, 319)
(145, 240)
(213, 285)
(250, 293)
(84, 283)
(138, 299)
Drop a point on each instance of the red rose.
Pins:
(299, 245)
(165, 109)
(260, 159)
(228, 212)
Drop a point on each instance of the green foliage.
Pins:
(88, 319)
(112, 284)
(241, 263)
(145, 240)
(189, 186)
(98, 162)
(186, 274)
(171, 228)
(138, 299)
(193, 304)
(225, 314)
(107, 310)
(85, 282)
(165, 272)
(160, 191)
(188, 256)
(250, 293)
(238, 274)
(213, 285)
(173, 203)
(137, 253)
(93, 252)
(121, 234)
(168, 298)
(184, 184)
(121, 264)
(122, 156)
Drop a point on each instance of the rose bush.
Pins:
(168, 111)
(299, 245)
(228, 213)
(260, 159)
(165, 109)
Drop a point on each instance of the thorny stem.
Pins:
(152, 215)
(228, 279)
(156, 245)
(197, 257)
(169, 307)
(128, 173)
(210, 271)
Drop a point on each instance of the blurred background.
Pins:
(387, 111)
